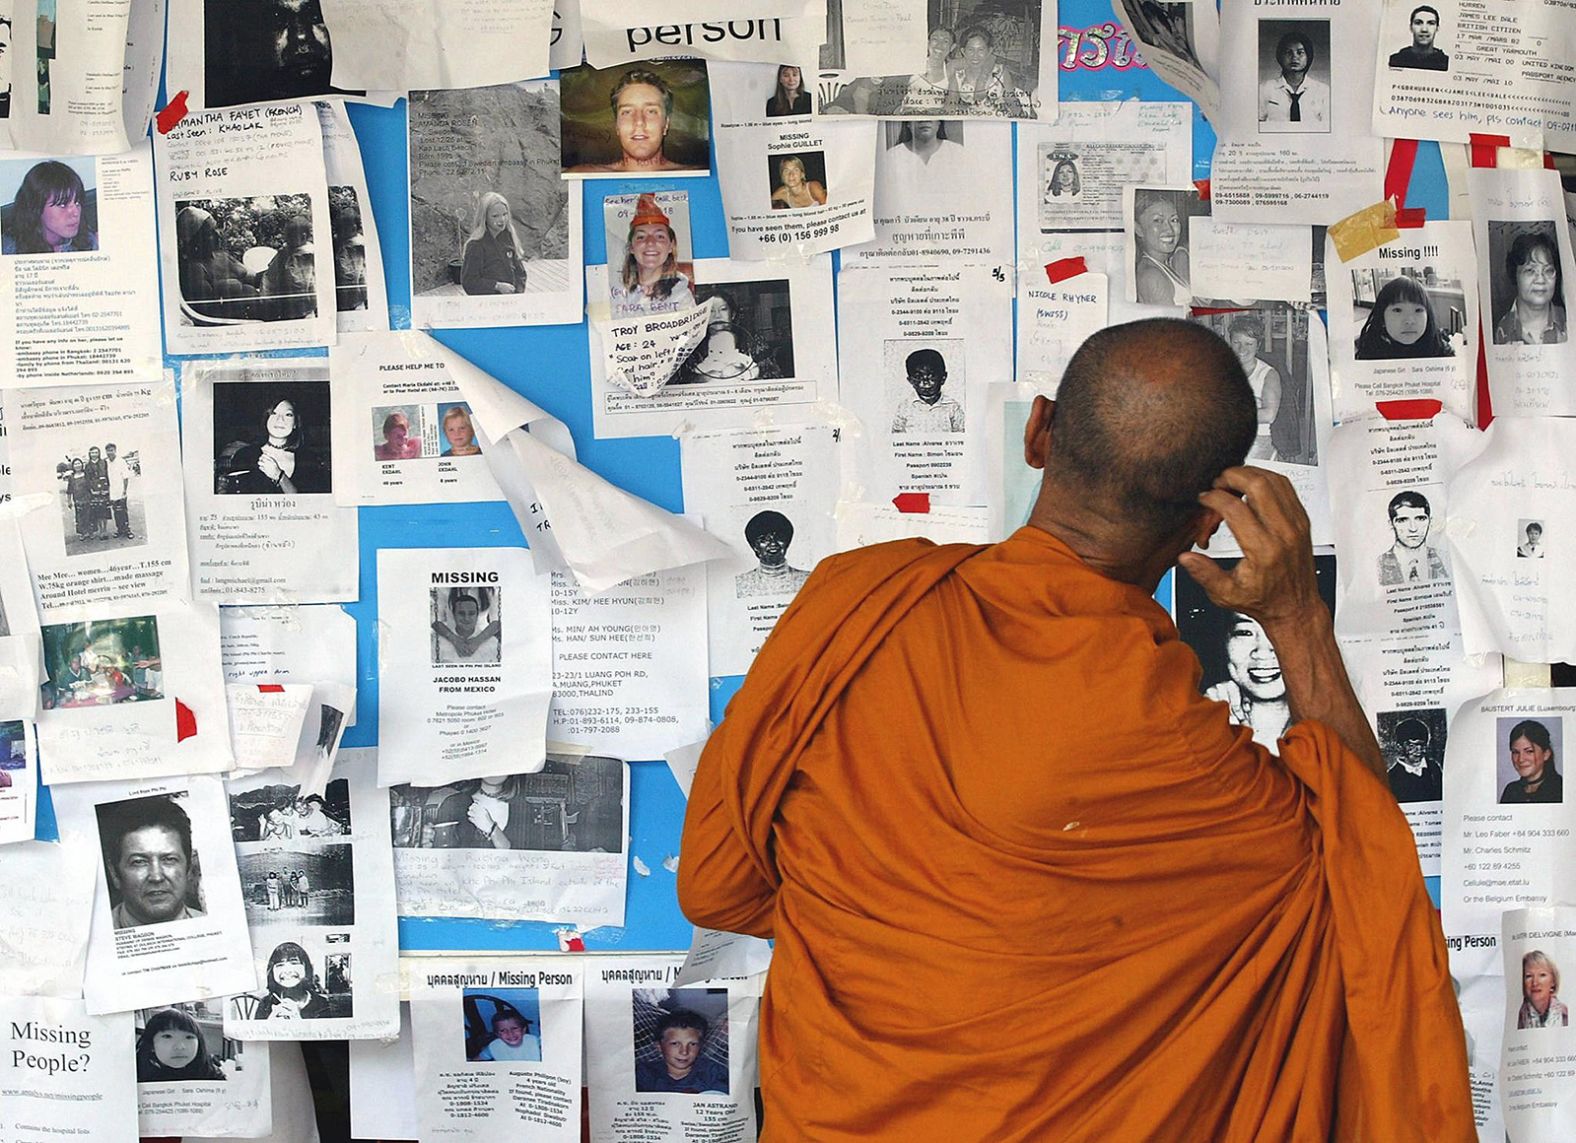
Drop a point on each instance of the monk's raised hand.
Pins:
(1274, 581)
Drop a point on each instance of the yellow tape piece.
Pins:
(1361, 232)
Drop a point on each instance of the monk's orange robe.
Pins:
(1027, 884)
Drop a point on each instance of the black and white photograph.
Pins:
(924, 383)
(1165, 26)
(489, 214)
(1412, 559)
(929, 155)
(1406, 311)
(301, 983)
(467, 624)
(1527, 294)
(651, 119)
(298, 882)
(245, 260)
(185, 1043)
(982, 60)
(797, 179)
(680, 1039)
(502, 1025)
(1413, 745)
(570, 806)
(749, 335)
(1157, 224)
(153, 874)
(1529, 539)
(50, 206)
(769, 535)
(278, 813)
(101, 507)
(1240, 666)
(1430, 37)
(350, 249)
(273, 439)
(1528, 770)
(102, 662)
(1294, 76)
(1271, 342)
(650, 261)
(265, 51)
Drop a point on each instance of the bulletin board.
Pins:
(549, 365)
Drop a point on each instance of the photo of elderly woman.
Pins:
(185, 1043)
(52, 210)
(649, 267)
(1406, 312)
(799, 180)
(1240, 665)
(246, 259)
(1528, 296)
(271, 439)
(1541, 1006)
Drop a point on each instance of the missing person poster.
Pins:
(66, 71)
(243, 214)
(1496, 67)
(317, 885)
(360, 295)
(769, 493)
(1525, 264)
(1536, 1083)
(498, 1047)
(260, 476)
(94, 469)
(494, 231)
(168, 923)
(668, 1063)
(629, 674)
(931, 204)
(465, 656)
(1404, 322)
(935, 338)
(792, 185)
(401, 417)
(547, 846)
(1294, 143)
(129, 693)
(193, 1080)
(65, 1072)
(18, 780)
(768, 347)
(79, 298)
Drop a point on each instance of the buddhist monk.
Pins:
(1025, 882)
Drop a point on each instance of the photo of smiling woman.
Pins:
(1401, 321)
(52, 212)
(1532, 755)
(649, 278)
(1240, 666)
(1541, 1006)
(271, 439)
(1160, 254)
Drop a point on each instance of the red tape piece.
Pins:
(174, 111)
(1202, 185)
(915, 503)
(1398, 181)
(1064, 268)
(185, 722)
(1485, 149)
(1415, 409)
(270, 689)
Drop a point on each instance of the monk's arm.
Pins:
(1274, 582)
(720, 886)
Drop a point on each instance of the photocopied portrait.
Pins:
(297, 987)
(1411, 559)
(502, 1025)
(650, 119)
(928, 410)
(1271, 342)
(1158, 226)
(185, 1043)
(1526, 285)
(272, 440)
(1529, 764)
(749, 334)
(467, 624)
(350, 249)
(680, 1038)
(1294, 76)
(50, 207)
(1529, 539)
(1413, 745)
(1423, 53)
(244, 260)
(769, 534)
(1403, 313)
(264, 51)
(153, 874)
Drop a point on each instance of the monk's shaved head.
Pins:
(1148, 414)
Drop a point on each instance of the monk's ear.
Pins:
(1037, 432)
(1205, 527)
